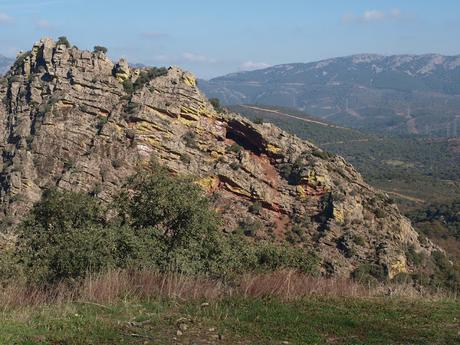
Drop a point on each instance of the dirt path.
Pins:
(346, 142)
(293, 116)
(407, 197)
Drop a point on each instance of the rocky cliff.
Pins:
(75, 120)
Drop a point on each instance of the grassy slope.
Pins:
(238, 321)
(416, 167)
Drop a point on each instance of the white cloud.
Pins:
(5, 19)
(251, 65)
(43, 24)
(192, 57)
(372, 15)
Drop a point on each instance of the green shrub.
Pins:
(149, 74)
(132, 108)
(275, 256)
(63, 237)
(248, 227)
(359, 240)
(369, 273)
(128, 86)
(413, 258)
(190, 139)
(235, 166)
(100, 49)
(9, 267)
(379, 213)
(185, 158)
(235, 148)
(180, 215)
(215, 102)
(322, 154)
(63, 40)
(255, 207)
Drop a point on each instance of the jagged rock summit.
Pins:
(74, 120)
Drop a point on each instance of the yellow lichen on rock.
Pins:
(273, 149)
(190, 80)
(313, 179)
(185, 121)
(209, 184)
(144, 127)
(215, 155)
(338, 215)
(397, 266)
(302, 193)
(238, 190)
(151, 141)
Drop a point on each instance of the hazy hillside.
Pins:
(5, 64)
(401, 94)
(416, 167)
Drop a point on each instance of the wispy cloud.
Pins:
(43, 24)
(373, 15)
(192, 57)
(5, 19)
(251, 65)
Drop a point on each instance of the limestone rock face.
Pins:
(67, 122)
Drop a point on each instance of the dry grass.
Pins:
(119, 284)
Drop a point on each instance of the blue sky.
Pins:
(211, 38)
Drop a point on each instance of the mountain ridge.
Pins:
(5, 63)
(397, 93)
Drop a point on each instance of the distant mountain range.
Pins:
(5, 64)
(400, 93)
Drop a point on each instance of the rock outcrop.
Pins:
(75, 120)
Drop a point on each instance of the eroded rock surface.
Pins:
(69, 120)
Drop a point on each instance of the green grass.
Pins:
(238, 321)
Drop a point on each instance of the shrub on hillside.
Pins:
(159, 221)
(65, 237)
(215, 102)
(63, 40)
(177, 215)
(101, 49)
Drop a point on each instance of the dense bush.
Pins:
(148, 74)
(63, 40)
(159, 221)
(144, 77)
(177, 216)
(65, 236)
(215, 102)
(369, 273)
(101, 49)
